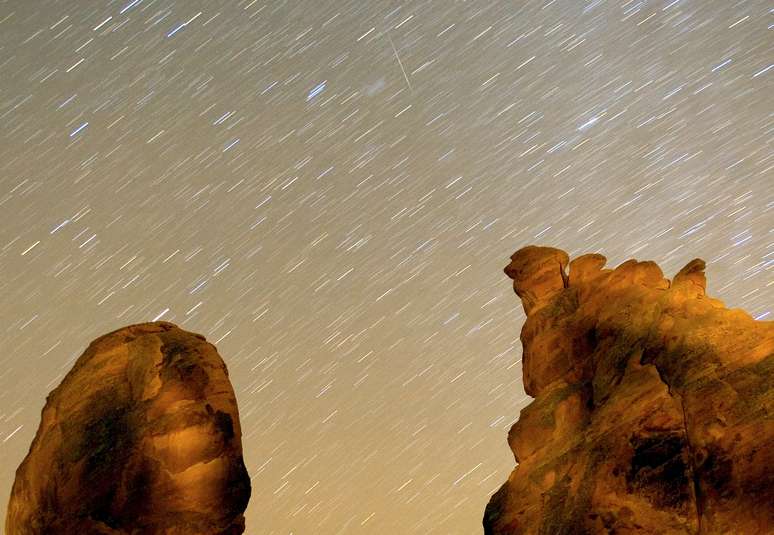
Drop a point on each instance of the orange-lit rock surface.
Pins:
(653, 409)
(141, 437)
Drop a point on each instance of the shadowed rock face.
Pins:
(653, 408)
(141, 437)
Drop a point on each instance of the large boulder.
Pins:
(141, 437)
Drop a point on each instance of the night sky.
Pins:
(328, 191)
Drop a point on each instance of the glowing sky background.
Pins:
(328, 191)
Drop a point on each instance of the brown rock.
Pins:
(141, 437)
(586, 267)
(692, 275)
(653, 409)
(537, 273)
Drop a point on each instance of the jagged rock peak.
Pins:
(537, 273)
(141, 436)
(653, 409)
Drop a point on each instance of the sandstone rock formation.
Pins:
(141, 437)
(653, 410)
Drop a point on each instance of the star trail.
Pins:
(329, 191)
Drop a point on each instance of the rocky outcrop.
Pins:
(653, 409)
(141, 436)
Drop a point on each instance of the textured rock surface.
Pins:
(141, 437)
(653, 408)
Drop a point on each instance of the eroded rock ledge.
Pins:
(653, 410)
(141, 436)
